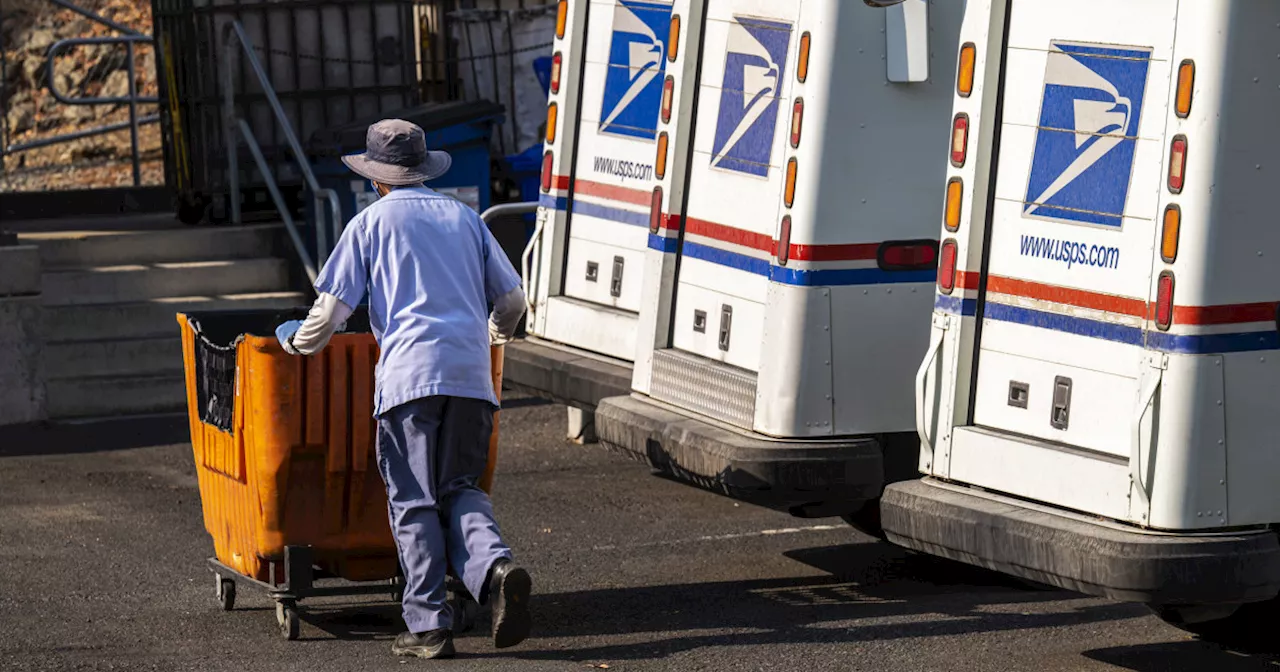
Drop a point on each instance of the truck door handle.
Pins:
(726, 325)
(922, 378)
(1146, 396)
(1060, 411)
(615, 283)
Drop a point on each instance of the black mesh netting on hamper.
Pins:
(217, 336)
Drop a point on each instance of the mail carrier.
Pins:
(788, 277)
(1099, 400)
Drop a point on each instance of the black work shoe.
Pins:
(433, 644)
(509, 589)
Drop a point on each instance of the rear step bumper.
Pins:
(808, 479)
(1011, 536)
(564, 375)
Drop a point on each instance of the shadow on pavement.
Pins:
(914, 595)
(1189, 655)
(921, 595)
(363, 622)
(94, 437)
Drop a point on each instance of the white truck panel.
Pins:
(1099, 402)
(582, 253)
(1075, 480)
(1147, 23)
(725, 10)
(1123, 257)
(1056, 346)
(794, 397)
(608, 232)
(873, 365)
(1253, 447)
(744, 202)
(746, 324)
(732, 283)
(591, 327)
(1186, 471)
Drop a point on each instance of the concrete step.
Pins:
(80, 248)
(156, 317)
(140, 282)
(116, 395)
(132, 357)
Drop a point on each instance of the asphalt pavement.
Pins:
(102, 550)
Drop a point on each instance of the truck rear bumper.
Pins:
(808, 479)
(1014, 537)
(564, 375)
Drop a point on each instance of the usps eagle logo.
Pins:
(1088, 133)
(754, 68)
(637, 62)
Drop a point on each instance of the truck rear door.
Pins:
(1072, 226)
(613, 173)
(736, 179)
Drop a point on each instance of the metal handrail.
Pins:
(132, 99)
(529, 276)
(233, 34)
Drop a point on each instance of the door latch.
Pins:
(593, 271)
(700, 321)
(726, 324)
(615, 283)
(1060, 415)
(1019, 394)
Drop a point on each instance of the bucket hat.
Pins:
(396, 154)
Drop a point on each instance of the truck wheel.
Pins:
(288, 620)
(227, 594)
(867, 520)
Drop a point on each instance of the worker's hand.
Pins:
(285, 332)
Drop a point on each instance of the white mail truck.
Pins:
(1099, 400)
(608, 140)
(791, 250)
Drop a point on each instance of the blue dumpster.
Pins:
(461, 128)
(525, 169)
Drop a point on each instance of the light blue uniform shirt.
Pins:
(432, 269)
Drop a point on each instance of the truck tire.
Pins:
(867, 520)
(1224, 624)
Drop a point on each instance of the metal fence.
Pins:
(78, 96)
(83, 85)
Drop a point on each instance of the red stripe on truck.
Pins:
(1235, 313)
(766, 243)
(1239, 313)
(610, 192)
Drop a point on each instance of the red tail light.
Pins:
(1164, 301)
(784, 241)
(1177, 163)
(908, 255)
(547, 161)
(959, 140)
(556, 62)
(797, 121)
(668, 95)
(655, 210)
(947, 267)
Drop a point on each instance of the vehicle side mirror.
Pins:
(906, 27)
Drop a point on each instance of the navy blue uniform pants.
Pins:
(432, 452)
